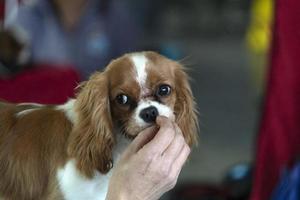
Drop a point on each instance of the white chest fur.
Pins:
(75, 186)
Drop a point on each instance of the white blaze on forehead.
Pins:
(162, 109)
(139, 61)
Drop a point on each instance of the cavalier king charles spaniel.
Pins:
(67, 151)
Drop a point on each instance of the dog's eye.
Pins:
(122, 99)
(163, 90)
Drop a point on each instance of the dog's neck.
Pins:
(71, 180)
(69, 109)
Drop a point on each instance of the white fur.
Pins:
(30, 104)
(68, 108)
(139, 61)
(162, 110)
(29, 110)
(25, 112)
(75, 186)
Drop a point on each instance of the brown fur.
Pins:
(31, 149)
(185, 108)
(35, 145)
(182, 100)
(92, 139)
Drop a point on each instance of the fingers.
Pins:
(143, 138)
(179, 161)
(164, 136)
(176, 146)
(169, 165)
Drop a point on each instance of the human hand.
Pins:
(151, 164)
(13, 52)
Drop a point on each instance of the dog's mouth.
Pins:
(131, 131)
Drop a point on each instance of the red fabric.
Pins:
(279, 137)
(45, 84)
(2, 7)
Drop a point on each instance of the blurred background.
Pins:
(224, 44)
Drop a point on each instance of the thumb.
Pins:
(141, 139)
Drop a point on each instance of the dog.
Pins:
(68, 151)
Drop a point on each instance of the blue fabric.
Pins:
(289, 186)
(98, 37)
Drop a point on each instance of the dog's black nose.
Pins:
(149, 114)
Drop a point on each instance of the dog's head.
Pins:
(128, 96)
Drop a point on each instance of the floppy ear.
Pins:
(185, 107)
(92, 139)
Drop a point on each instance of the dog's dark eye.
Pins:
(163, 90)
(122, 99)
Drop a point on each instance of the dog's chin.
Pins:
(132, 131)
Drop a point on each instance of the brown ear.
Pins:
(92, 139)
(185, 107)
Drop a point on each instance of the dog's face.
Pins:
(142, 86)
(128, 96)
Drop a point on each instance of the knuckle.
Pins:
(170, 130)
(188, 148)
(169, 127)
(171, 178)
(168, 124)
(150, 154)
(177, 128)
(180, 139)
(173, 183)
(146, 158)
(164, 173)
